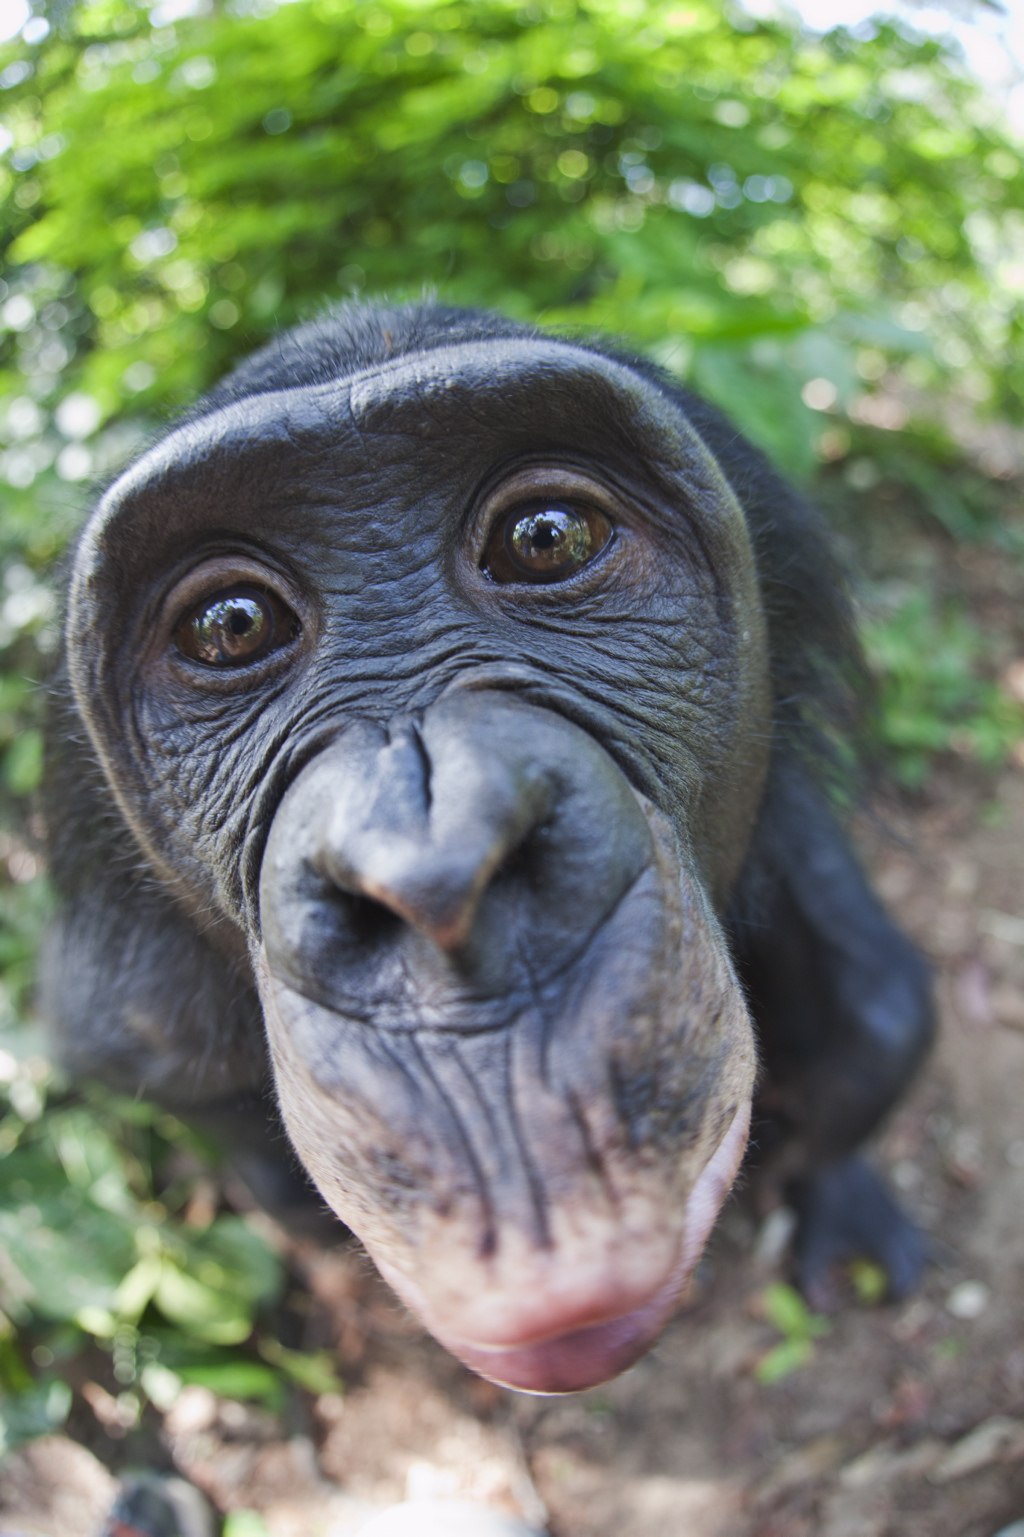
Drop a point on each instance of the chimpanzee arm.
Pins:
(844, 1016)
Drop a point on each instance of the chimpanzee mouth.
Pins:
(605, 1327)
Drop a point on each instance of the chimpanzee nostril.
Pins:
(369, 924)
(416, 883)
(526, 863)
(524, 827)
(419, 829)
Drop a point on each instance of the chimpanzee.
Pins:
(437, 767)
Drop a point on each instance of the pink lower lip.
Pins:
(577, 1359)
(593, 1342)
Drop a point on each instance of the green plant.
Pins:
(935, 697)
(766, 211)
(787, 1312)
(244, 1523)
(100, 1254)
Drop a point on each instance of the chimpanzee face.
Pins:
(444, 682)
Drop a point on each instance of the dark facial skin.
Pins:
(433, 749)
(440, 682)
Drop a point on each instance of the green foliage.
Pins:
(244, 1523)
(741, 199)
(97, 1251)
(787, 1312)
(919, 476)
(934, 695)
(870, 1282)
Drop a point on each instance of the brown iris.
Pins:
(233, 628)
(547, 541)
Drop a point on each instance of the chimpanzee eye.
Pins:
(243, 624)
(544, 541)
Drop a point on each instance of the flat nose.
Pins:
(447, 866)
(421, 830)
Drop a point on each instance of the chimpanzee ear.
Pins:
(136, 993)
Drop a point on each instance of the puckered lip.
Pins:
(569, 1361)
(578, 1338)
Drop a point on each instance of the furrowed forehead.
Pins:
(509, 384)
(418, 415)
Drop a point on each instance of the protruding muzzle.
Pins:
(507, 1039)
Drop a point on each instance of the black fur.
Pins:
(150, 975)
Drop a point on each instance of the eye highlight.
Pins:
(544, 541)
(236, 627)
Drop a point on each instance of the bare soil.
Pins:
(907, 1421)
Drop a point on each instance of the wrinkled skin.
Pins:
(483, 823)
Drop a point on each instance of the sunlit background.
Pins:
(814, 214)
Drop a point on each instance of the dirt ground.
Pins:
(907, 1421)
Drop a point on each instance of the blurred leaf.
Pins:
(216, 1280)
(23, 762)
(231, 1251)
(15, 1376)
(870, 1281)
(60, 1252)
(236, 1379)
(766, 399)
(787, 1311)
(316, 1372)
(244, 1523)
(933, 696)
(783, 1359)
(210, 1312)
(138, 1288)
(36, 1412)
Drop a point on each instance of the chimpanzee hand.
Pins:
(846, 1212)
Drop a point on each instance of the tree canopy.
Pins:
(780, 217)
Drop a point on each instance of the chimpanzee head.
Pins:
(427, 662)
